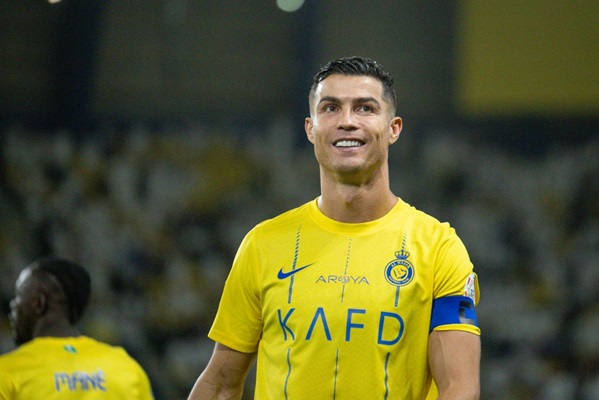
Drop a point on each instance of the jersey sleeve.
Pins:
(238, 322)
(456, 291)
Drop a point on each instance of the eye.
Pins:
(366, 108)
(329, 108)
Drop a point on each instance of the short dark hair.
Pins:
(74, 280)
(357, 66)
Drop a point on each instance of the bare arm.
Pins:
(224, 376)
(454, 358)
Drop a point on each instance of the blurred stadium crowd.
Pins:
(157, 215)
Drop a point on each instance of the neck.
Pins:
(355, 204)
(56, 329)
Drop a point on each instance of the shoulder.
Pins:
(289, 219)
(122, 358)
(423, 221)
(126, 366)
(9, 357)
(107, 349)
(110, 347)
(21, 354)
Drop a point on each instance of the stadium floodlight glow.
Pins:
(290, 5)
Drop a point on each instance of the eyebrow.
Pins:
(359, 100)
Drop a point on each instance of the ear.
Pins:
(395, 129)
(309, 128)
(41, 305)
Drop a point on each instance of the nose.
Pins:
(346, 120)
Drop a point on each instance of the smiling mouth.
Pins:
(348, 143)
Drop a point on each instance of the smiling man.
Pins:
(356, 294)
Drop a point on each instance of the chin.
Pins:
(349, 169)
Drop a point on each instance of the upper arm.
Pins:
(224, 375)
(454, 359)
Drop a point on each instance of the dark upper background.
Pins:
(520, 73)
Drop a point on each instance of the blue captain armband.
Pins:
(453, 310)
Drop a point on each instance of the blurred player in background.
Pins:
(356, 294)
(53, 359)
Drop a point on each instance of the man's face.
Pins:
(23, 307)
(351, 127)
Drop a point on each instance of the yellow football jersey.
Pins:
(71, 368)
(343, 311)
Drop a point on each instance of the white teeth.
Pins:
(348, 143)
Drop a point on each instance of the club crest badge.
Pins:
(400, 271)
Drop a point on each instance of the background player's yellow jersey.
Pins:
(71, 368)
(343, 311)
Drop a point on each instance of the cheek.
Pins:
(16, 314)
(316, 137)
(23, 324)
(22, 310)
(317, 150)
(322, 156)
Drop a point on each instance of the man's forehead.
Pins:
(353, 86)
